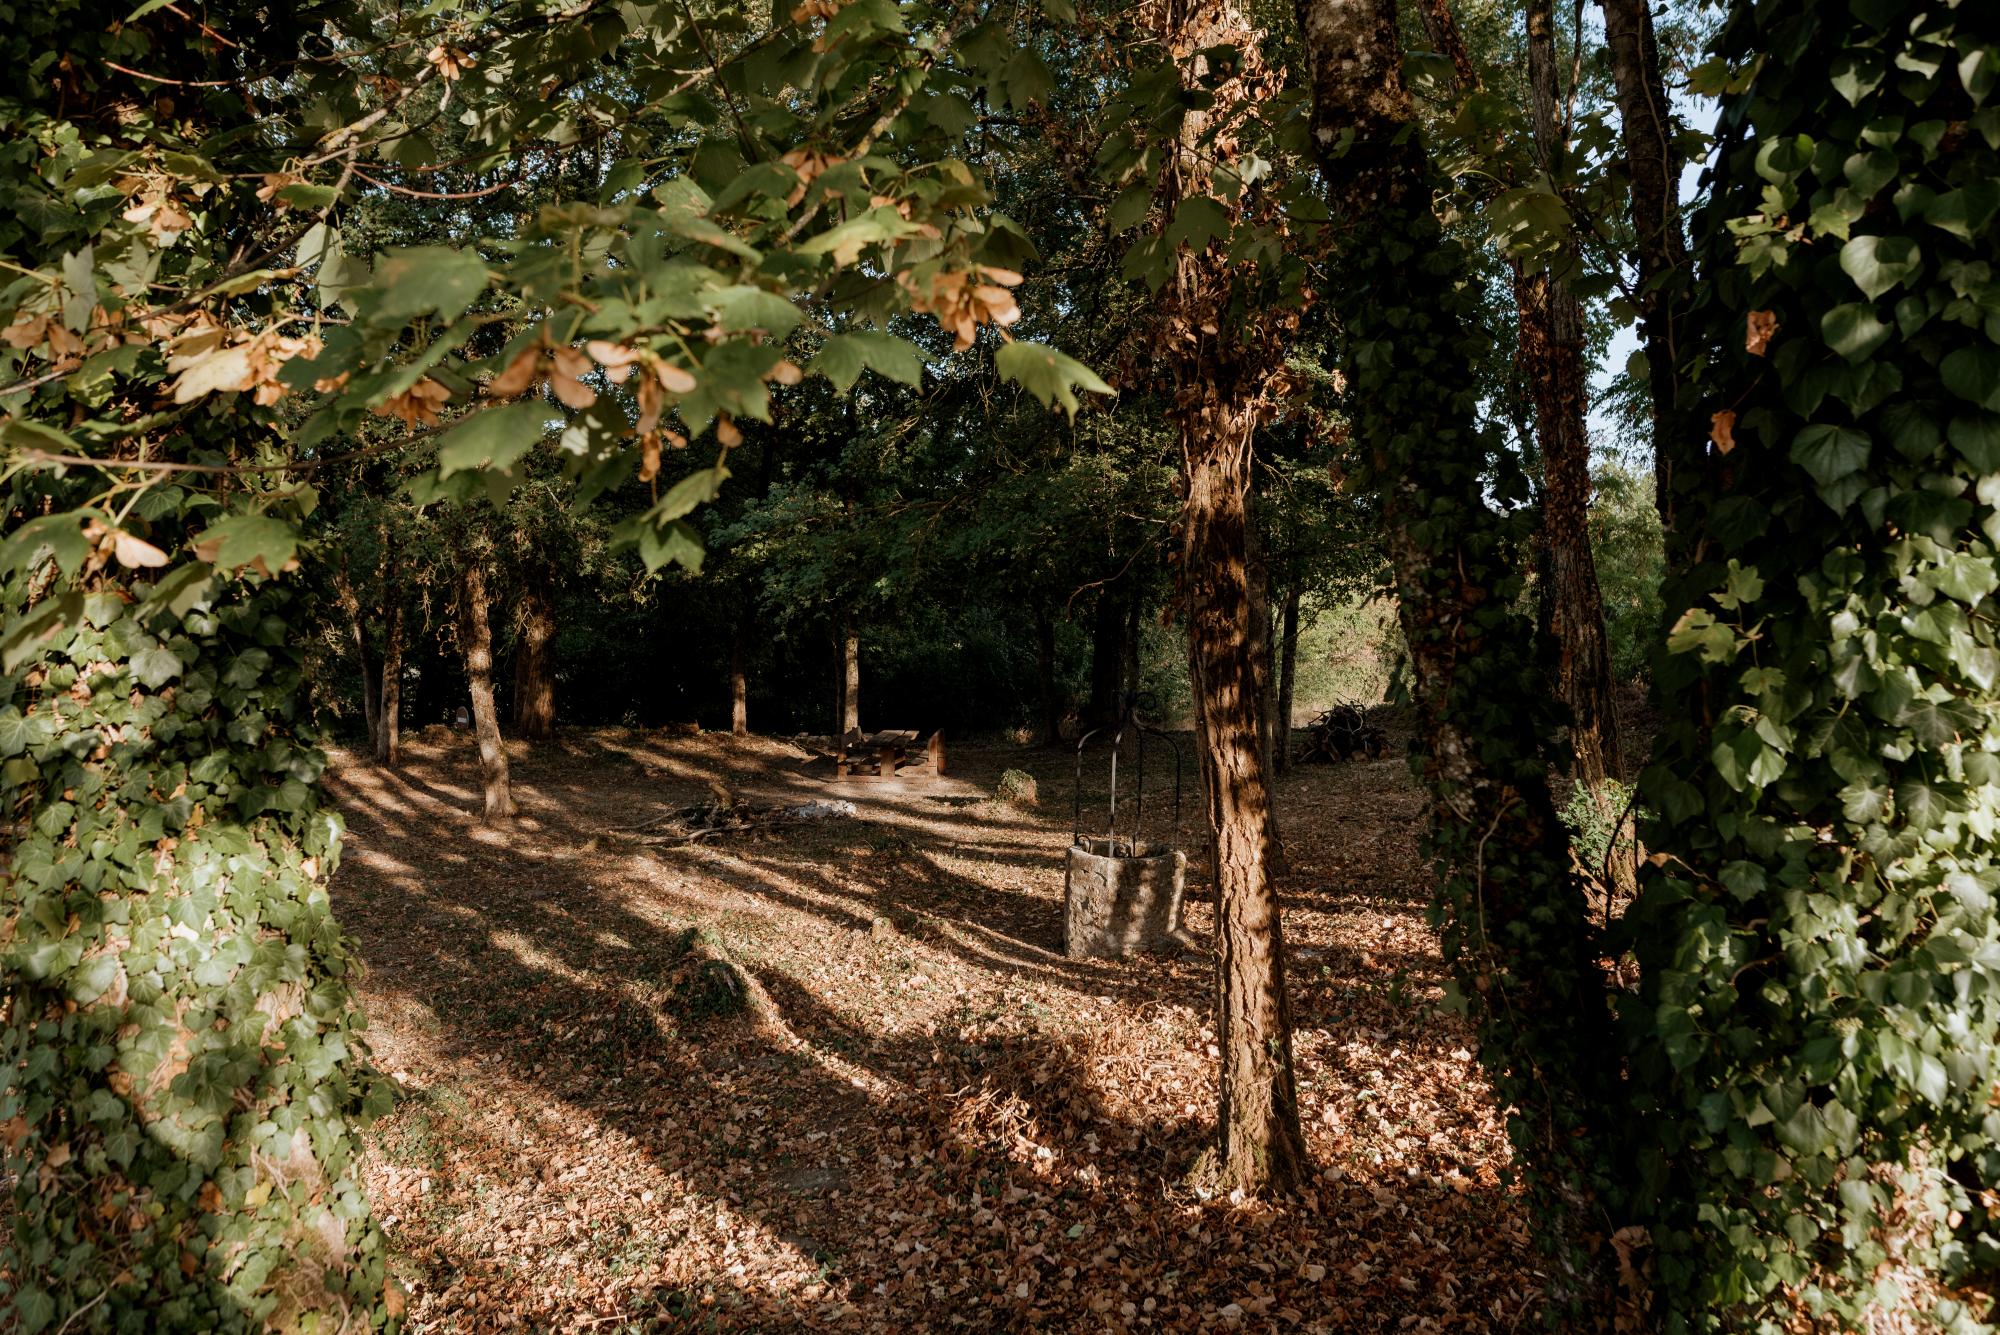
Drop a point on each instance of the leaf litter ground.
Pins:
(837, 1076)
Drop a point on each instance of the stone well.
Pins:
(1119, 900)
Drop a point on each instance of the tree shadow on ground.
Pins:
(977, 1170)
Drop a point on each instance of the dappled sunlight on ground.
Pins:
(927, 1118)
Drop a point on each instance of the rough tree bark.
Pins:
(1654, 166)
(1288, 675)
(850, 679)
(476, 637)
(1551, 352)
(534, 663)
(389, 736)
(739, 681)
(1221, 367)
(1045, 676)
(364, 652)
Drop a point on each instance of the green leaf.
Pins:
(1966, 211)
(1879, 263)
(424, 280)
(1198, 221)
(1973, 373)
(1047, 374)
(1854, 331)
(155, 666)
(1130, 208)
(262, 541)
(59, 535)
(494, 438)
(696, 489)
(842, 359)
(1976, 436)
(743, 308)
(1830, 452)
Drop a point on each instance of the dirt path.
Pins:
(929, 1120)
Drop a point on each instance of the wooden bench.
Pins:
(881, 755)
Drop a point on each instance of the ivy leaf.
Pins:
(493, 438)
(1922, 806)
(1976, 436)
(1854, 331)
(842, 359)
(1911, 428)
(1048, 375)
(155, 666)
(1964, 212)
(1830, 453)
(1973, 374)
(1879, 263)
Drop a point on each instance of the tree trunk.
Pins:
(476, 633)
(1263, 641)
(850, 679)
(739, 682)
(1551, 352)
(364, 653)
(1263, 1147)
(1107, 660)
(1135, 614)
(1654, 166)
(1219, 380)
(1045, 676)
(389, 737)
(1288, 674)
(1516, 923)
(534, 663)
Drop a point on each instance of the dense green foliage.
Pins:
(1816, 1031)
(181, 1129)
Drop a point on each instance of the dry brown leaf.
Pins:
(136, 552)
(1758, 332)
(1722, 430)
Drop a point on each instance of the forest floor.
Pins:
(927, 1119)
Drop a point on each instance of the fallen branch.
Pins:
(705, 820)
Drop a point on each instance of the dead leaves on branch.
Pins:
(962, 300)
(209, 359)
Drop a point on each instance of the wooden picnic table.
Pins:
(882, 754)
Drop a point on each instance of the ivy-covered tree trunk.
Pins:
(184, 1082)
(1819, 1021)
(476, 642)
(534, 663)
(1653, 170)
(1515, 923)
